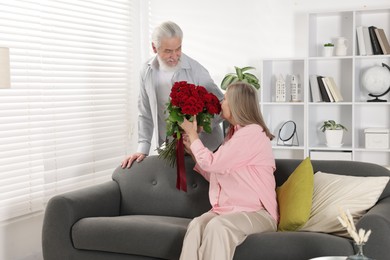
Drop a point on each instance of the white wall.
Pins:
(226, 33)
(220, 34)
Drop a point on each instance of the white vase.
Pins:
(341, 46)
(334, 138)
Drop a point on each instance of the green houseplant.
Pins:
(332, 125)
(333, 133)
(328, 44)
(240, 75)
(328, 49)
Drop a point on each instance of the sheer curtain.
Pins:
(64, 123)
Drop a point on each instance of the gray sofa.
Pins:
(141, 215)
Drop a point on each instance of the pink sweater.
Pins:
(241, 172)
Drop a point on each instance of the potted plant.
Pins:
(328, 49)
(333, 133)
(240, 75)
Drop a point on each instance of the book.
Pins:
(360, 41)
(331, 98)
(383, 42)
(334, 89)
(376, 48)
(324, 94)
(367, 41)
(315, 89)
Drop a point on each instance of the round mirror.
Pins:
(287, 131)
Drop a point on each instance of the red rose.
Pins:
(212, 104)
(188, 100)
(192, 106)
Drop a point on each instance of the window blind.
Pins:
(64, 122)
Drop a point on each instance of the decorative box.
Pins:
(377, 138)
(331, 155)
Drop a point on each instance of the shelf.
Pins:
(323, 147)
(373, 57)
(330, 58)
(286, 147)
(330, 103)
(371, 150)
(354, 111)
(283, 103)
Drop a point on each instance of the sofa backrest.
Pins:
(149, 187)
(284, 167)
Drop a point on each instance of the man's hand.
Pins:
(126, 163)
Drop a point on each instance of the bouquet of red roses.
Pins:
(186, 101)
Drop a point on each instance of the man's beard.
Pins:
(165, 67)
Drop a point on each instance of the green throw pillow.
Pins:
(295, 197)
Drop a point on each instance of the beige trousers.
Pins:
(215, 237)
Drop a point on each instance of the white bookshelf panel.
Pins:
(275, 115)
(271, 71)
(362, 63)
(379, 18)
(320, 112)
(354, 112)
(338, 68)
(326, 27)
(370, 115)
(378, 157)
(288, 153)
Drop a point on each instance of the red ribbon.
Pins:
(181, 181)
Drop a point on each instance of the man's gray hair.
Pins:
(166, 30)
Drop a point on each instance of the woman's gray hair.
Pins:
(244, 106)
(166, 30)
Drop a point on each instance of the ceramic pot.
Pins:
(334, 138)
(328, 51)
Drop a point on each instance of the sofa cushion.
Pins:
(292, 246)
(333, 191)
(152, 236)
(295, 197)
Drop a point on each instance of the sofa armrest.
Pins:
(63, 211)
(378, 220)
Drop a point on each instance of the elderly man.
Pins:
(157, 77)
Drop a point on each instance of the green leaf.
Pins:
(174, 116)
(168, 152)
(207, 128)
(239, 73)
(227, 80)
(247, 68)
(332, 125)
(256, 85)
(234, 80)
(251, 77)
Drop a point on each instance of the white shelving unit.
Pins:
(354, 112)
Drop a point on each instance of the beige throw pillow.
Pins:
(332, 191)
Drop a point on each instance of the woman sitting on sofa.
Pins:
(240, 173)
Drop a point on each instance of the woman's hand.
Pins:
(187, 146)
(191, 129)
